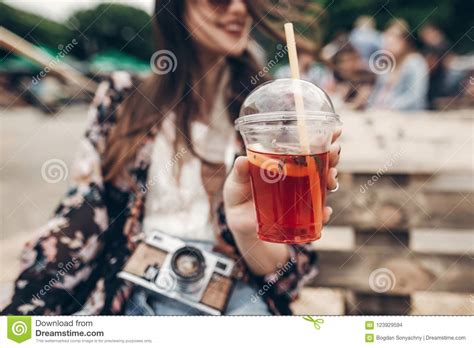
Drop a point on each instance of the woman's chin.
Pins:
(235, 50)
(231, 46)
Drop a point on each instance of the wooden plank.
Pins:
(319, 301)
(21, 47)
(387, 208)
(370, 304)
(401, 143)
(328, 301)
(441, 303)
(336, 238)
(393, 238)
(458, 102)
(395, 272)
(442, 241)
(425, 240)
(444, 182)
(438, 182)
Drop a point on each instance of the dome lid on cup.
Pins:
(277, 96)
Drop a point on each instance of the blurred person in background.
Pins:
(351, 82)
(435, 50)
(310, 70)
(403, 75)
(155, 157)
(340, 71)
(432, 36)
(365, 38)
(448, 71)
(439, 85)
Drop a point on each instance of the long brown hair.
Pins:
(148, 104)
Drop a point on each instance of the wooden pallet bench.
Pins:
(404, 216)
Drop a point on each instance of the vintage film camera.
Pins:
(168, 266)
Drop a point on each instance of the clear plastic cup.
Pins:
(289, 181)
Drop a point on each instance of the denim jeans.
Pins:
(241, 301)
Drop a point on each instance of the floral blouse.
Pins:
(71, 266)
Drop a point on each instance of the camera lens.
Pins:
(188, 264)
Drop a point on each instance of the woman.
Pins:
(402, 82)
(352, 81)
(168, 141)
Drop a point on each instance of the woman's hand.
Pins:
(240, 212)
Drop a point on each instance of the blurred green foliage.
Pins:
(106, 27)
(36, 29)
(129, 30)
(113, 27)
(454, 17)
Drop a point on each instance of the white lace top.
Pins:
(178, 202)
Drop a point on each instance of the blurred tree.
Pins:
(112, 26)
(452, 16)
(36, 29)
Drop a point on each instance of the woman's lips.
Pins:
(233, 28)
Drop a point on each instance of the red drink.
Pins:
(287, 126)
(289, 193)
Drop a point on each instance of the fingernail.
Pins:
(330, 211)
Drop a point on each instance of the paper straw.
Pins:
(295, 75)
(313, 176)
